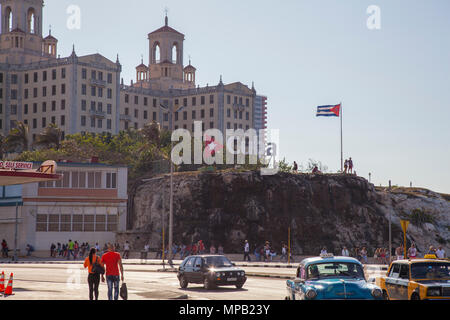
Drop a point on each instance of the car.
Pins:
(328, 277)
(416, 279)
(211, 271)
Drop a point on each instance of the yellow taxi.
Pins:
(417, 279)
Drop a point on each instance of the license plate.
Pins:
(232, 279)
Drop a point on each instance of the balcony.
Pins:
(98, 83)
(125, 117)
(97, 114)
(238, 106)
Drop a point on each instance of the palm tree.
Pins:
(50, 137)
(3, 146)
(18, 137)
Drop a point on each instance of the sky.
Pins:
(393, 82)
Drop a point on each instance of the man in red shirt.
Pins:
(112, 262)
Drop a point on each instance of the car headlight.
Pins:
(377, 293)
(434, 292)
(311, 294)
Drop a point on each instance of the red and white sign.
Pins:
(13, 165)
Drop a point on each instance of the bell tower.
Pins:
(21, 30)
(166, 55)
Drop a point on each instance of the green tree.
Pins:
(17, 139)
(50, 137)
(3, 146)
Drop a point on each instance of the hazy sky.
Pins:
(394, 82)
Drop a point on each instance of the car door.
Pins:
(188, 269)
(403, 282)
(391, 281)
(197, 275)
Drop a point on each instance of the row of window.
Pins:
(35, 107)
(83, 180)
(96, 106)
(35, 92)
(96, 91)
(76, 223)
(36, 79)
(98, 123)
(96, 75)
(136, 100)
(34, 122)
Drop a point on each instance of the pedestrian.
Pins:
(29, 250)
(257, 254)
(399, 252)
(440, 253)
(126, 250)
(97, 247)
(345, 166)
(212, 249)
(295, 168)
(182, 251)
(52, 250)
(323, 251)
(364, 255)
(113, 262)
(58, 249)
(76, 249)
(412, 251)
(145, 252)
(246, 251)
(93, 277)
(284, 256)
(220, 249)
(70, 248)
(345, 252)
(4, 249)
(350, 165)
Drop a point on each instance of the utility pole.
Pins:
(390, 228)
(16, 233)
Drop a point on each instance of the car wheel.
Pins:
(208, 284)
(239, 285)
(385, 295)
(183, 282)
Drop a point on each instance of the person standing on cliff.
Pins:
(247, 251)
(345, 166)
(295, 168)
(350, 165)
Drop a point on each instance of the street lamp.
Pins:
(171, 111)
(390, 229)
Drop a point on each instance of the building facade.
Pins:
(85, 93)
(88, 205)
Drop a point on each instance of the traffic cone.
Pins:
(9, 288)
(2, 282)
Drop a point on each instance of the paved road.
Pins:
(64, 280)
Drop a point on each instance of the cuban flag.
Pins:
(329, 111)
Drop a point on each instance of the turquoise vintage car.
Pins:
(328, 277)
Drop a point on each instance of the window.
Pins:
(136, 99)
(92, 105)
(184, 115)
(53, 90)
(404, 271)
(228, 99)
(145, 101)
(112, 223)
(63, 104)
(53, 105)
(83, 121)
(193, 114)
(26, 78)
(127, 111)
(92, 122)
(109, 77)
(63, 120)
(247, 102)
(14, 79)
(185, 102)
(154, 116)
(83, 89)
(211, 112)
(83, 105)
(202, 114)
(44, 76)
(25, 109)
(111, 180)
(155, 103)
(35, 77)
(54, 74)
(53, 223)
(395, 271)
(136, 113)
(127, 98)
(93, 91)
(109, 108)
(82, 180)
(100, 223)
(228, 113)
(99, 123)
(100, 92)
(63, 73)
(14, 109)
(93, 74)
(247, 116)
(146, 116)
(211, 99)
(202, 100)
(77, 223)
(34, 107)
(14, 94)
(41, 222)
(35, 92)
(194, 101)
(211, 125)
(89, 223)
(109, 124)
(83, 74)
(109, 93)
(44, 122)
(63, 89)
(44, 91)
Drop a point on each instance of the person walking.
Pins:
(93, 277)
(52, 250)
(113, 263)
(345, 252)
(247, 251)
(295, 167)
(70, 248)
(284, 256)
(412, 252)
(126, 250)
(345, 166)
(323, 251)
(440, 253)
(4, 249)
(220, 249)
(364, 255)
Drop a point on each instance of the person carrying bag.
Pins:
(95, 268)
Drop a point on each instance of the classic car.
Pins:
(416, 279)
(328, 277)
(211, 271)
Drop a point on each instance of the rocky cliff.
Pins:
(321, 210)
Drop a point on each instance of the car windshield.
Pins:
(430, 270)
(335, 269)
(218, 262)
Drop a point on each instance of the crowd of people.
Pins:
(75, 250)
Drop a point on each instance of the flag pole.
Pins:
(342, 144)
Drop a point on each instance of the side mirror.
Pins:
(233, 264)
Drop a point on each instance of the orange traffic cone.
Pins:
(9, 288)
(2, 282)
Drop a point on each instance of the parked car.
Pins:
(328, 277)
(416, 279)
(211, 270)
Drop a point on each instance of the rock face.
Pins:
(321, 210)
